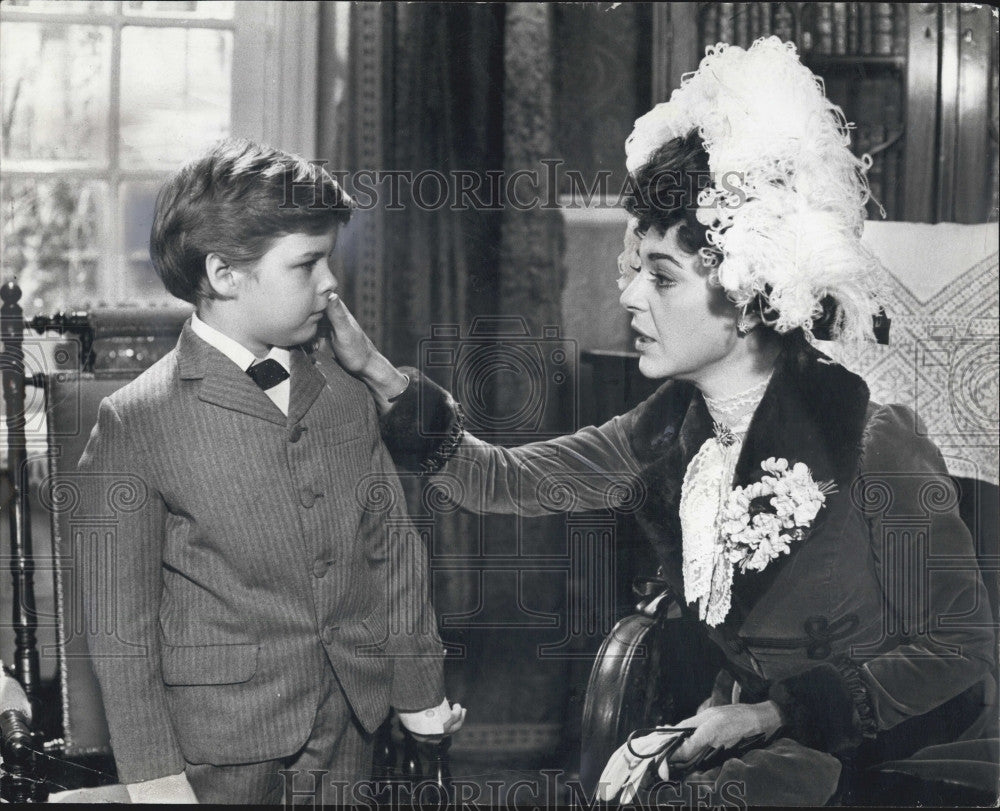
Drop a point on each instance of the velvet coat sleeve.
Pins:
(593, 468)
(938, 638)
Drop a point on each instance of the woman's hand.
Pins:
(723, 727)
(712, 701)
(353, 348)
(359, 356)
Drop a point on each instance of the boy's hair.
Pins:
(664, 191)
(234, 201)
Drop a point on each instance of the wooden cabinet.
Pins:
(917, 80)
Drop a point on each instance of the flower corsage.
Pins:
(760, 520)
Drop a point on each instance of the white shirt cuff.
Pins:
(427, 722)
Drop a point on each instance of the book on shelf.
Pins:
(823, 41)
(882, 27)
(760, 20)
(853, 34)
(741, 19)
(783, 24)
(900, 29)
(839, 14)
(865, 30)
(726, 14)
(709, 24)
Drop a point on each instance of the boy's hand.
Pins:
(445, 720)
(359, 356)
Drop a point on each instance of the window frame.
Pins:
(272, 100)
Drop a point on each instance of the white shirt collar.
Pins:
(234, 350)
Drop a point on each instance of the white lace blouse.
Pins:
(708, 574)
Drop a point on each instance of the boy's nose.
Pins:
(327, 282)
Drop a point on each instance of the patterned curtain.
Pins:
(444, 106)
(445, 115)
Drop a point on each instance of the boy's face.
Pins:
(284, 294)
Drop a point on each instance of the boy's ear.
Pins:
(221, 276)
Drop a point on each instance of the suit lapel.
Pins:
(223, 383)
(307, 383)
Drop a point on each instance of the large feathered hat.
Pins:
(786, 206)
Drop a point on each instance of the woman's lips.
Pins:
(642, 340)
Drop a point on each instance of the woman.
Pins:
(762, 467)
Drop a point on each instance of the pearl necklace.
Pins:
(734, 413)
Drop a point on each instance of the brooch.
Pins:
(760, 520)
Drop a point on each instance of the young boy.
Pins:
(269, 607)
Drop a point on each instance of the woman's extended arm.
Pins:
(593, 468)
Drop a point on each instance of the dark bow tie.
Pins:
(268, 373)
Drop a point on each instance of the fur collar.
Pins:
(813, 411)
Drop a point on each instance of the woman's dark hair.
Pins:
(664, 191)
(235, 201)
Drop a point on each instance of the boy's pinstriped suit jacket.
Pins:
(251, 551)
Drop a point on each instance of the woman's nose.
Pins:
(631, 298)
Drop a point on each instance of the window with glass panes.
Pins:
(100, 101)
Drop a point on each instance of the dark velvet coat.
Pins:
(874, 634)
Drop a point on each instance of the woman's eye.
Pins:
(663, 281)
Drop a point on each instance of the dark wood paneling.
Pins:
(948, 136)
(921, 114)
(972, 153)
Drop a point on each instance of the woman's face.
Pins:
(686, 326)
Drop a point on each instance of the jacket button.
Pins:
(320, 568)
(296, 433)
(307, 497)
(329, 634)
